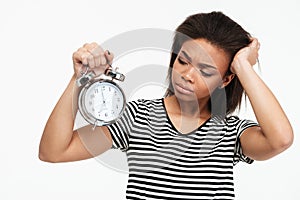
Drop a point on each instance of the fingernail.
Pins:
(108, 52)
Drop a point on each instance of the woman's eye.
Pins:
(181, 61)
(205, 74)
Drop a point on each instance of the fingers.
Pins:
(249, 54)
(254, 43)
(109, 57)
(92, 55)
(254, 46)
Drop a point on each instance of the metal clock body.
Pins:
(101, 101)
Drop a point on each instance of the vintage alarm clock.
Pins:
(101, 100)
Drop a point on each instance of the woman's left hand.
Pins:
(246, 56)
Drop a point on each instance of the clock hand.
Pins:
(103, 99)
(108, 96)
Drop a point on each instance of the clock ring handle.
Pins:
(85, 71)
(86, 76)
(114, 74)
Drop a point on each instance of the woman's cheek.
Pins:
(206, 86)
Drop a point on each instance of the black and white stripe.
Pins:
(165, 164)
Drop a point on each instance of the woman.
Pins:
(183, 146)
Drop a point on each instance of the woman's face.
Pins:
(198, 70)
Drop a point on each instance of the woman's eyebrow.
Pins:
(186, 56)
(203, 65)
(200, 65)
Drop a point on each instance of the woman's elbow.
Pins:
(48, 157)
(287, 138)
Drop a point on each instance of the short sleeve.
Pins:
(120, 130)
(238, 151)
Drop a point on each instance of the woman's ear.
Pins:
(226, 80)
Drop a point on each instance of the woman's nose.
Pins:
(188, 74)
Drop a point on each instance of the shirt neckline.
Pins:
(174, 128)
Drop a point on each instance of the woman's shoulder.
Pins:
(239, 123)
(146, 102)
(232, 118)
(235, 118)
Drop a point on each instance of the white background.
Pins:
(36, 44)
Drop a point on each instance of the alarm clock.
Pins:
(101, 100)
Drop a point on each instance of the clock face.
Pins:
(103, 102)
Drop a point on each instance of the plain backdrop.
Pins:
(37, 39)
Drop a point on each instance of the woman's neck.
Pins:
(186, 116)
(190, 109)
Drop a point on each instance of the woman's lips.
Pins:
(183, 89)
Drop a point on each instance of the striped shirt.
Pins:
(166, 164)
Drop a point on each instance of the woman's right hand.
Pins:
(93, 56)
